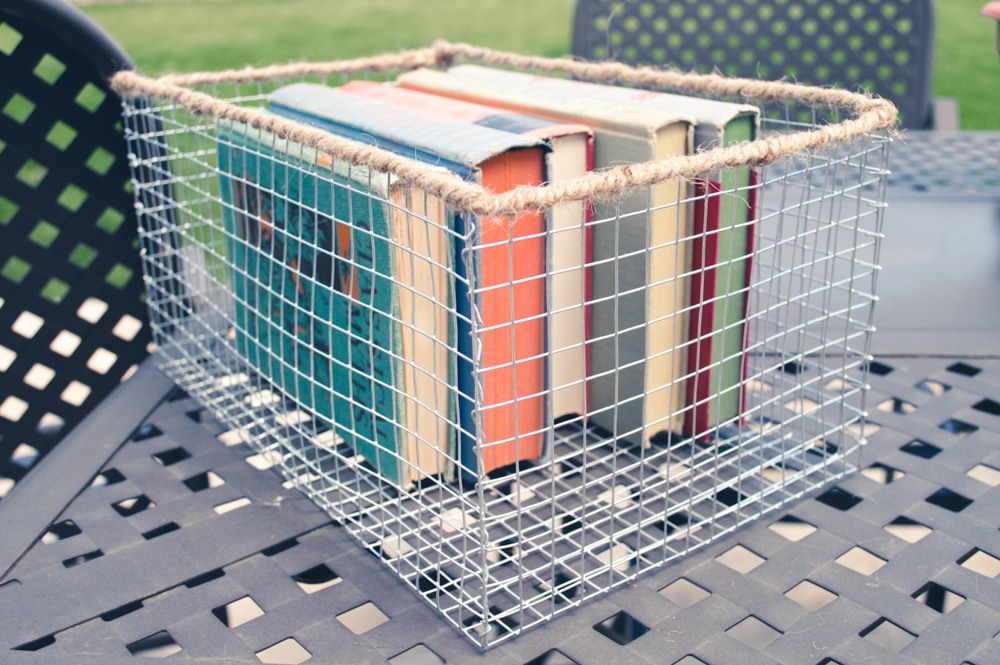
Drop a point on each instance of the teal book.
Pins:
(316, 307)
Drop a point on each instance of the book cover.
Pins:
(313, 292)
(508, 289)
(640, 256)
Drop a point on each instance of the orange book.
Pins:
(512, 266)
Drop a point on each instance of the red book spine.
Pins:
(702, 323)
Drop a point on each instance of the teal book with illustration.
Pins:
(312, 278)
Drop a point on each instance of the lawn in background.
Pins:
(193, 36)
(966, 65)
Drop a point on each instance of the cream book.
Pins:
(638, 324)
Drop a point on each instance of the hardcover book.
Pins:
(313, 292)
(640, 258)
(568, 246)
(506, 277)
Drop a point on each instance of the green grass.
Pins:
(195, 36)
(966, 65)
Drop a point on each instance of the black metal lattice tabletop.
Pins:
(185, 547)
(946, 163)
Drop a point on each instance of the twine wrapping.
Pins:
(872, 114)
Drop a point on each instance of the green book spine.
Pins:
(314, 297)
(734, 214)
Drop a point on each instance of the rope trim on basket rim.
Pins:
(872, 114)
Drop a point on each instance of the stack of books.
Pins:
(359, 295)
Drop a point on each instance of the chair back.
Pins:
(884, 46)
(73, 321)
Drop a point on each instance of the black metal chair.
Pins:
(885, 46)
(73, 322)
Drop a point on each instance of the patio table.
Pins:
(896, 564)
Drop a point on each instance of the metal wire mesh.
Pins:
(337, 320)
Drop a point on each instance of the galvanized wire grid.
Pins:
(496, 553)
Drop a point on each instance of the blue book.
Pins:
(494, 437)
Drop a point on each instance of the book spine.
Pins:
(511, 278)
(617, 380)
(363, 136)
(702, 327)
(465, 381)
(751, 248)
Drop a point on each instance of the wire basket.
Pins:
(315, 356)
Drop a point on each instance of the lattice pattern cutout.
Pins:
(73, 318)
(881, 45)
